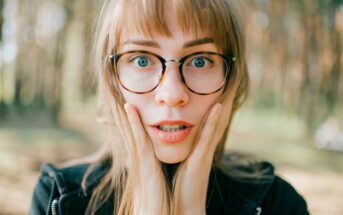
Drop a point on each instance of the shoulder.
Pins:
(68, 178)
(255, 187)
(64, 185)
(282, 198)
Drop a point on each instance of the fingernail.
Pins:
(126, 107)
(216, 110)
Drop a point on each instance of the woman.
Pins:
(171, 74)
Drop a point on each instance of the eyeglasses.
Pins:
(202, 73)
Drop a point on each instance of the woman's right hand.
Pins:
(149, 188)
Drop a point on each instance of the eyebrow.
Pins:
(143, 43)
(156, 45)
(198, 42)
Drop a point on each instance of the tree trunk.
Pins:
(2, 103)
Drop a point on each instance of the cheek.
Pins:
(194, 111)
(203, 104)
(141, 102)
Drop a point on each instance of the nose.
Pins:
(171, 90)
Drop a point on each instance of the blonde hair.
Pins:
(219, 19)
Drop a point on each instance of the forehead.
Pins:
(178, 44)
(129, 35)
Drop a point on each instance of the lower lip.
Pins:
(171, 136)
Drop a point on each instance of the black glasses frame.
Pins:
(114, 58)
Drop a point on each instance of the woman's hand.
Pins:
(197, 167)
(150, 188)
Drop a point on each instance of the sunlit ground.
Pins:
(272, 136)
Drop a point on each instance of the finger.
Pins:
(223, 120)
(205, 142)
(138, 130)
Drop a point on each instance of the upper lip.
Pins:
(172, 122)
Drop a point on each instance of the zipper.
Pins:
(258, 211)
(54, 206)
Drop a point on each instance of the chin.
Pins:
(172, 153)
(170, 160)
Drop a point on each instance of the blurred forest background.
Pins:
(294, 117)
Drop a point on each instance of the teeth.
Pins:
(171, 128)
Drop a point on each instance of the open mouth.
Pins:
(171, 131)
(172, 128)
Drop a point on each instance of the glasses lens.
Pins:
(205, 72)
(139, 72)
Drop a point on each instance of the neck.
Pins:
(169, 171)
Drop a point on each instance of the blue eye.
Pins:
(142, 61)
(201, 62)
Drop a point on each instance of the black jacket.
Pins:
(59, 190)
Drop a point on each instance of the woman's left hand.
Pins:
(197, 167)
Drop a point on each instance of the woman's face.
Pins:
(171, 114)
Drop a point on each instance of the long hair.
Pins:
(221, 20)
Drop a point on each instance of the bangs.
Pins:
(144, 16)
(201, 17)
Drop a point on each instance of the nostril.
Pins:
(161, 102)
(171, 98)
